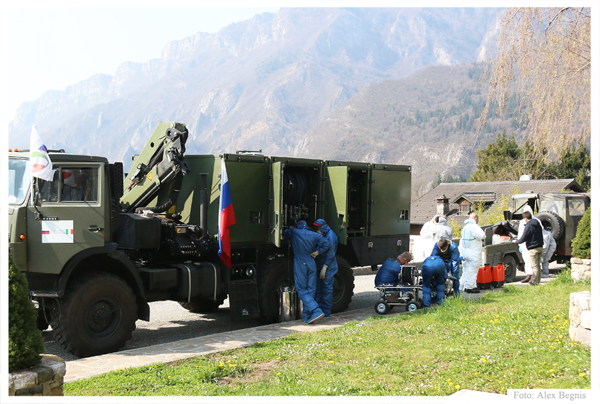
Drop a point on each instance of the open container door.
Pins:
(336, 196)
(275, 208)
(390, 200)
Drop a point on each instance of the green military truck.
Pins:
(97, 248)
(559, 214)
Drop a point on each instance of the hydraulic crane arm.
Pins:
(159, 164)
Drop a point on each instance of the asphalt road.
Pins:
(170, 322)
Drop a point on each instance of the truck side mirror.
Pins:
(508, 215)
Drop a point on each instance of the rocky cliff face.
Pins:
(259, 84)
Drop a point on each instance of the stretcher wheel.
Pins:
(382, 307)
(412, 306)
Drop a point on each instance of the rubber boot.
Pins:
(527, 279)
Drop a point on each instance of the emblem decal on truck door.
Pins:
(57, 231)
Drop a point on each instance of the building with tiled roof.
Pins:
(455, 199)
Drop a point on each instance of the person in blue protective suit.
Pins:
(434, 276)
(307, 246)
(326, 268)
(448, 251)
(390, 270)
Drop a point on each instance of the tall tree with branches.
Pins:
(545, 53)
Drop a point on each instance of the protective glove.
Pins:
(314, 254)
(323, 272)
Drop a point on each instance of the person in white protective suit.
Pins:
(470, 249)
(427, 234)
(441, 230)
(549, 248)
(523, 247)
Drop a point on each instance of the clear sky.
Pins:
(50, 48)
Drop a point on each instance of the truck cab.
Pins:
(71, 210)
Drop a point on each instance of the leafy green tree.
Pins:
(534, 161)
(25, 342)
(575, 162)
(497, 160)
(582, 243)
(493, 214)
(456, 227)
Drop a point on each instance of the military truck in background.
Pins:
(97, 248)
(559, 214)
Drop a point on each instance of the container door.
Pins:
(336, 196)
(275, 207)
(250, 198)
(390, 202)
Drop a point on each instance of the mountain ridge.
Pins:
(264, 83)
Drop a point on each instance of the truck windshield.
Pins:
(519, 205)
(19, 178)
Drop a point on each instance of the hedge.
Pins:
(582, 243)
(25, 341)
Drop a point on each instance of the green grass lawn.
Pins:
(516, 339)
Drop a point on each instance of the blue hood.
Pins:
(301, 224)
(323, 226)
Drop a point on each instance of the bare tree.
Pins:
(545, 53)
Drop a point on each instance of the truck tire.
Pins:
(553, 223)
(272, 275)
(97, 316)
(510, 268)
(203, 304)
(343, 286)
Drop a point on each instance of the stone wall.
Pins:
(580, 315)
(581, 269)
(44, 379)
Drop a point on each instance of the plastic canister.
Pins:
(498, 276)
(484, 277)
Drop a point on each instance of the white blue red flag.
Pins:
(226, 217)
(41, 166)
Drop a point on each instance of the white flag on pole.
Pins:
(41, 166)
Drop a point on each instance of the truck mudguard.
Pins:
(130, 273)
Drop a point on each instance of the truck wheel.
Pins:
(272, 275)
(343, 286)
(203, 304)
(510, 268)
(553, 223)
(97, 316)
